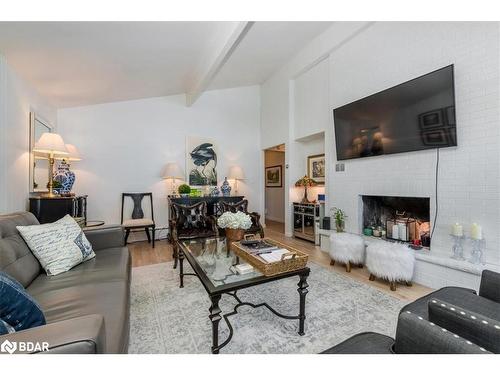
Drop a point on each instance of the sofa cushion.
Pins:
(107, 298)
(16, 259)
(465, 298)
(17, 308)
(108, 265)
(415, 335)
(490, 285)
(59, 246)
(470, 325)
(99, 286)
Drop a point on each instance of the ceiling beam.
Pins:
(217, 61)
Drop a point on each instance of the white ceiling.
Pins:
(82, 63)
(266, 47)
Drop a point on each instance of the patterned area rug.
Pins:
(167, 319)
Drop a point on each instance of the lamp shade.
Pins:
(73, 153)
(236, 173)
(51, 143)
(172, 170)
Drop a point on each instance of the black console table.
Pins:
(213, 203)
(49, 209)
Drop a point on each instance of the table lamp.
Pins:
(306, 182)
(72, 155)
(172, 172)
(51, 144)
(236, 174)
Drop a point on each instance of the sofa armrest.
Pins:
(82, 335)
(415, 335)
(105, 237)
(470, 325)
(490, 285)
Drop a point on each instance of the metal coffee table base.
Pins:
(215, 297)
(215, 314)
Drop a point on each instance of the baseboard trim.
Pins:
(278, 220)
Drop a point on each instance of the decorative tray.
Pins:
(294, 260)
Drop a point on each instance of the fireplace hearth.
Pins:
(402, 219)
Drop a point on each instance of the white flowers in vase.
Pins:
(231, 220)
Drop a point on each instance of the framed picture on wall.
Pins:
(273, 176)
(316, 168)
(201, 161)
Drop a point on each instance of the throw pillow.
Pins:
(5, 328)
(18, 310)
(58, 246)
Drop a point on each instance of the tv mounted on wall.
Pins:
(415, 115)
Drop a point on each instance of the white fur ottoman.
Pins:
(348, 249)
(390, 261)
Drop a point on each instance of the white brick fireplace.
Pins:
(468, 188)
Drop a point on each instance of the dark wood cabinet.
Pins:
(49, 209)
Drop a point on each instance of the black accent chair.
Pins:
(451, 320)
(190, 222)
(137, 220)
(242, 206)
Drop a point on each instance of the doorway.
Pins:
(274, 179)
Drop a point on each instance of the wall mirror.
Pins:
(39, 163)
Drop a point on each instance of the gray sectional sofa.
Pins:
(86, 308)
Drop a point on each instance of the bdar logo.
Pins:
(24, 347)
(8, 347)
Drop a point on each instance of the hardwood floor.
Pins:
(143, 254)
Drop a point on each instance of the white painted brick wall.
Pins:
(387, 54)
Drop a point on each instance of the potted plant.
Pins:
(235, 224)
(56, 186)
(339, 217)
(184, 190)
(305, 182)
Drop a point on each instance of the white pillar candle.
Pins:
(395, 232)
(402, 232)
(476, 232)
(457, 230)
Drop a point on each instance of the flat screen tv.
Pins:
(415, 115)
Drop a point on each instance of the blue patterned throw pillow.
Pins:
(17, 308)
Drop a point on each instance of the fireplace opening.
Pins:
(401, 219)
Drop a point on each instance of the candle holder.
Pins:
(458, 247)
(476, 255)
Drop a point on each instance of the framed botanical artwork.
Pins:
(201, 162)
(316, 168)
(273, 176)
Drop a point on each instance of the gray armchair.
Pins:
(450, 320)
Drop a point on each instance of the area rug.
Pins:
(167, 319)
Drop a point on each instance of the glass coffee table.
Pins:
(213, 265)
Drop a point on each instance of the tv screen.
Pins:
(415, 115)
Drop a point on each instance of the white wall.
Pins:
(275, 196)
(469, 191)
(17, 99)
(365, 58)
(125, 145)
(311, 101)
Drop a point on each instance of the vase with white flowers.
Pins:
(235, 225)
